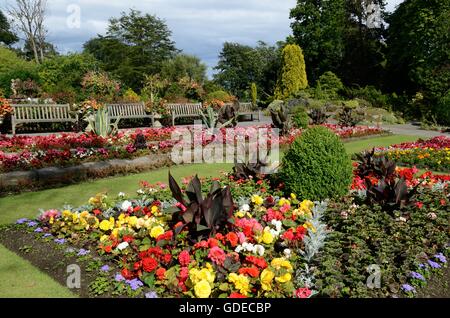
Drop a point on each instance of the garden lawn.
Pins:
(367, 144)
(19, 278)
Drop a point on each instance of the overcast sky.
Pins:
(198, 27)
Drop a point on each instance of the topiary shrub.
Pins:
(316, 166)
(300, 117)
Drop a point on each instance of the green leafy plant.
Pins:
(100, 286)
(300, 117)
(348, 117)
(201, 216)
(251, 169)
(99, 123)
(318, 116)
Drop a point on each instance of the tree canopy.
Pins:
(7, 36)
(135, 44)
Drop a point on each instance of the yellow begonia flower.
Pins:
(132, 221)
(256, 199)
(115, 232)
(284, 201)
(280, 262)
(202, 289)
(84, 214)
(306, 206)
(284, 278)
(197, 275)
(293, 196)
(266, 279)
(267, 237)
(239, 214)
(156, 231)
(104, 238)
(241, 283)
(105, 225)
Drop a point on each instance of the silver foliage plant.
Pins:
(313, 242)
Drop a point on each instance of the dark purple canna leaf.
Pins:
(175, 189)
(194, 190)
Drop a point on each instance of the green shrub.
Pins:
(330, 84)
(317, 166)
(300, 117)
(352, 103)
(442, 110)
(372, 95)
(220, 95)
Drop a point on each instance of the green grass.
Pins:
(18, 278)
(360, 145)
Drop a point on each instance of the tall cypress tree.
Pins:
(293, 72)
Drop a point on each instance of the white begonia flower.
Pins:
(121, 194)
(140, 191)
(140, 223)
(126, 205)
(274, 233)
(260, 250)
(245, 208)
(238, 249)
(122, 246)
(287, 252)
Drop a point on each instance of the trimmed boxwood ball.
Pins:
(316, 166)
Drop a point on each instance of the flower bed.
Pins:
(145, 252)
(432, 153)
(68, 149)
(274, 245)
(367, 241)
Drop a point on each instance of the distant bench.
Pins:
(249, 109)
(184, 111)
(129, 111)
(40, 113)
(195, 110)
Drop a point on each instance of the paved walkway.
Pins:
(413, 130)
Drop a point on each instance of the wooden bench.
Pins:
(249, 109)
(129, 111)
(184, 111)
(40, 113)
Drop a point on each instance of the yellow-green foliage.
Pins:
(254, 93)
(293, 73)
(131, 96)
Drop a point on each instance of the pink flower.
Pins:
(217, 255)
(302, 293)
